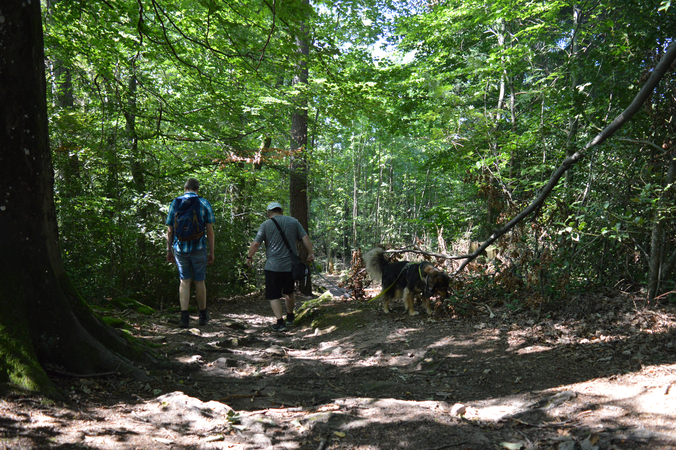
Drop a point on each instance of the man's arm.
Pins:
(211, 239)
(253, 248)
(170, 243)
(308, 246)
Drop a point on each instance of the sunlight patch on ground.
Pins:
(656, 402)
(444, 342)
(477, 341)
(251, 318)
(400, 333)
(372, 410)
(350, 312)
(649, 391)
(333, 348)
(189, 359)
(532, 349)
(496, 409)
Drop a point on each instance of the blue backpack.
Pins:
(188, 222)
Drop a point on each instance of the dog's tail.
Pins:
(375, 262)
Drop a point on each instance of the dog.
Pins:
(403, 279)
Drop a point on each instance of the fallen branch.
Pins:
(664, 295)
(658, 73)
(567, 423)
(424, 253)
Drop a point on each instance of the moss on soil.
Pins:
(114, 322)
(130, 303)
(317, 315)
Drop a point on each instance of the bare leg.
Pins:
(201, 294)
(290, 302)
(184, 294)
(276, 308)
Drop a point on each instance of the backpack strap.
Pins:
(293, 255)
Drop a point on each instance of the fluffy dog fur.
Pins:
(407, 280)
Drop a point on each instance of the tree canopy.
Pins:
(427, 123)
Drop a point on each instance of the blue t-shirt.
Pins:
(207, 213)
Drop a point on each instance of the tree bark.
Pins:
(655, 264)
(356, 174)
(43, 320)
(573, 121)
(298, 185)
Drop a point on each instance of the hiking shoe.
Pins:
(289, 319)
(279, 326)
(204, 317)
(185, 319)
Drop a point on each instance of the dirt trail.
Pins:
(348, 376)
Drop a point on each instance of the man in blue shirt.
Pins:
(192, 256)
(278, 279)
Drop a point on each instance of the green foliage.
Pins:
(444, 145)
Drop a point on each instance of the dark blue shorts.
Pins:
(278, 284)
(192, 265)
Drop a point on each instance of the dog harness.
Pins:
(428, 291)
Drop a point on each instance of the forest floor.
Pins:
(348, 376)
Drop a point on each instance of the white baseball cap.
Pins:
(274, 205)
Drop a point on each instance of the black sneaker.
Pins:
(204, 317)
(185, 319)
(289, 319)
(279, 326)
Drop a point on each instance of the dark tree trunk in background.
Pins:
(573, 120)
(43, 320)
(298, 198)
(658, 268)
(65, 154)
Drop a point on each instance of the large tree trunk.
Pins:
(43, 320)
(298, 198)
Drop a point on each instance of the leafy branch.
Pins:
(655, 77)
